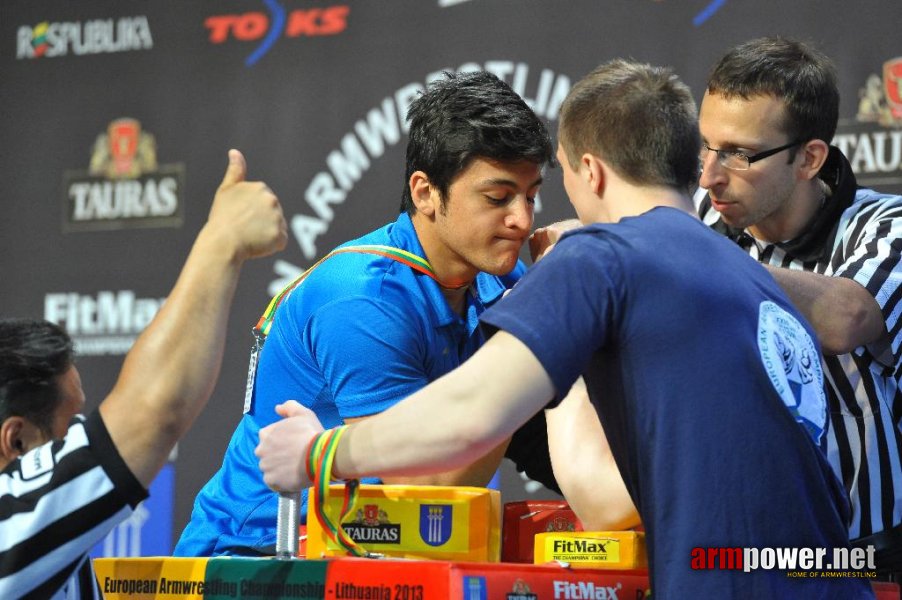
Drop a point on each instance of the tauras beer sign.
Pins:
(124, 186)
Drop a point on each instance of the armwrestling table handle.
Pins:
(287, 525)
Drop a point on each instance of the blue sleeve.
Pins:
(563, 308)
(371, 353)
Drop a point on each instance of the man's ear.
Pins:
(814, 154)
(12, 445)
(593, 170)
(424, 195)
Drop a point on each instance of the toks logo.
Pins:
(123, 187)
(252, 26)
(873, 140)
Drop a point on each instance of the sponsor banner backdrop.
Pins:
(116, 117)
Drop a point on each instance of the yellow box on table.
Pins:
(592, 549)
(413, 521)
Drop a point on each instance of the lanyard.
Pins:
(264, 324)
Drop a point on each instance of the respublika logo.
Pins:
(98, 36)
(873, 140)
(269, 28)
(124, 186)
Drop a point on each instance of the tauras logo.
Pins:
(521, 591)
(873, 141)
(107, 323)
(584, 590)
(371, 524)
(383, 534)
(124, 186)
(98, 36)
(382, 127)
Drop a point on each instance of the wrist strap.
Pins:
(320, 457)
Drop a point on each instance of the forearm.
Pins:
(478, 473)
(584, 466)
(842, 312)
(170, 372)
(452, 422)
(174, 363)
(413, 438)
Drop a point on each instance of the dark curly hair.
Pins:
(469, 115)
(33, 354)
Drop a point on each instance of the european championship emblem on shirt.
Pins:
(793, 364)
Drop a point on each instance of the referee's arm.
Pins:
(843, 313)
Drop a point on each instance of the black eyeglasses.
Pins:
(740, 161)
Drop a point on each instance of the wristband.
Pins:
(320, 456)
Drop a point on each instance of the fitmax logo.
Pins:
(584, 590)
(252, 26)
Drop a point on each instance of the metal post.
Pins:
(287, 525)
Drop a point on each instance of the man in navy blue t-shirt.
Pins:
(708, 381)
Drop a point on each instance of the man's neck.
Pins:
(628, 200)
(457, 299)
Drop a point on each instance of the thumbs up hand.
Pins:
(247, 214)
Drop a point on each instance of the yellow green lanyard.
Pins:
(261, 329)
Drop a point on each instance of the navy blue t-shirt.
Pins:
(710, 389)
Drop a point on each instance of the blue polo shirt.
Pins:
(361, 333)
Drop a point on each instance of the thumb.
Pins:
(236, 170)
(291, 408)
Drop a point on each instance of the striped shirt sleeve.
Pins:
(56, 503)
(871, 254)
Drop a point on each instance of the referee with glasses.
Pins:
(772, 182)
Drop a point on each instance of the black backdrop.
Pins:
(314, 94)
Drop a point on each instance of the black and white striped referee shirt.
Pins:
(56, 503)
(858, 235)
